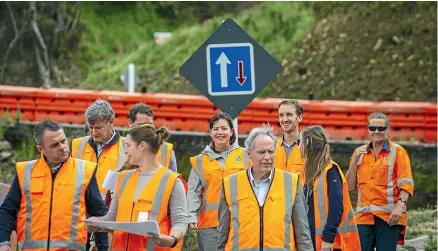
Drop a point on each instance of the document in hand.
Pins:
(145, 228)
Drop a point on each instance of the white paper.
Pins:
(144, 228)
(110, 180)
(143, 216)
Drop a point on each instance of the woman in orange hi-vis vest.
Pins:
(331, 219)
(149, 192)
(222, 157)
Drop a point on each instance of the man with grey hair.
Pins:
(104, 145)
(263, 207)
(50, 196)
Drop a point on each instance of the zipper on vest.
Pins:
(132, 211)
(261, 207)
(261, 225)
(50, 213)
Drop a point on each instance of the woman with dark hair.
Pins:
(148, 191)
(222, 157)
(331, 219)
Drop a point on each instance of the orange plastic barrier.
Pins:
(344, 120)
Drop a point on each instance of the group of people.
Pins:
(284, 193)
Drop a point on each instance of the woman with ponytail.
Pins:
(149, 191)
(331, 219)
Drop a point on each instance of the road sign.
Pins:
(130, 78)
(230, 68)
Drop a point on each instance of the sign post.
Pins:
(130, 78)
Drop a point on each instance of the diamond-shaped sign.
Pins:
(230, 68)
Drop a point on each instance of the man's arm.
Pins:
(404, 174)
(95, 207)
(351, 175)
(224, 221)
(172, 164)
(300, 222)
(8, 212)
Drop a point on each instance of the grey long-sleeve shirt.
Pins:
(303, 240)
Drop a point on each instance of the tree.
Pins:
(37, 36)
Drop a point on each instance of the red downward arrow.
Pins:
(241, 79)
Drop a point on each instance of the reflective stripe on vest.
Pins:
(288, 191)
(72, 244)
(346, 227)
(4, 189)
(120, 158)
(156, 204)
(81, 147)
(125, 180)
(207, 206)
(389, 189)
(164, 151)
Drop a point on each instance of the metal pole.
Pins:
(236, 125)
(131, 78)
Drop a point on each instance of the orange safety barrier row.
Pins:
(344, 120)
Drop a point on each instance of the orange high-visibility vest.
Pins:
(154, 201)
(211, 174)
(347, 238)
(111, 158)
(253, 227)
(379, 182)
(51, 212)
(164, 154)
(294, 163)
(4, 189)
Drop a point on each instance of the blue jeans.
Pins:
(381, 236)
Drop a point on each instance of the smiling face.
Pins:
(378, 130)
(221, 133)
(54, 146)
(288, 118)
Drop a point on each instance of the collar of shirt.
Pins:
(53, 167)
(296, 141)
(385, 146)
(101, 145)
(253, 183)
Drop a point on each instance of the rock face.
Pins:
(7, 161)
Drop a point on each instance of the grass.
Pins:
(275, 25)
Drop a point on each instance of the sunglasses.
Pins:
(379, 128)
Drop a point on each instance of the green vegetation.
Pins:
(275, 25)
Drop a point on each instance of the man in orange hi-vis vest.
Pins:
(4, 189)
(381, 173)
(262, 208)
(287, 152)
(50, 196)
(142, 114)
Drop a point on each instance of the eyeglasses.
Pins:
(379, 128)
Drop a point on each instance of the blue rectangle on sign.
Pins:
(230, 69)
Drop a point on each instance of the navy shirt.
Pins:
(11, 205)
(336, 207)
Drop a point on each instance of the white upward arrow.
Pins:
(223, 61)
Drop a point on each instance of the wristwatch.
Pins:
(176, 241)
(403, 200)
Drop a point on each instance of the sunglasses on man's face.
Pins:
(378, 128)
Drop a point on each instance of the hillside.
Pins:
(344, 51)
